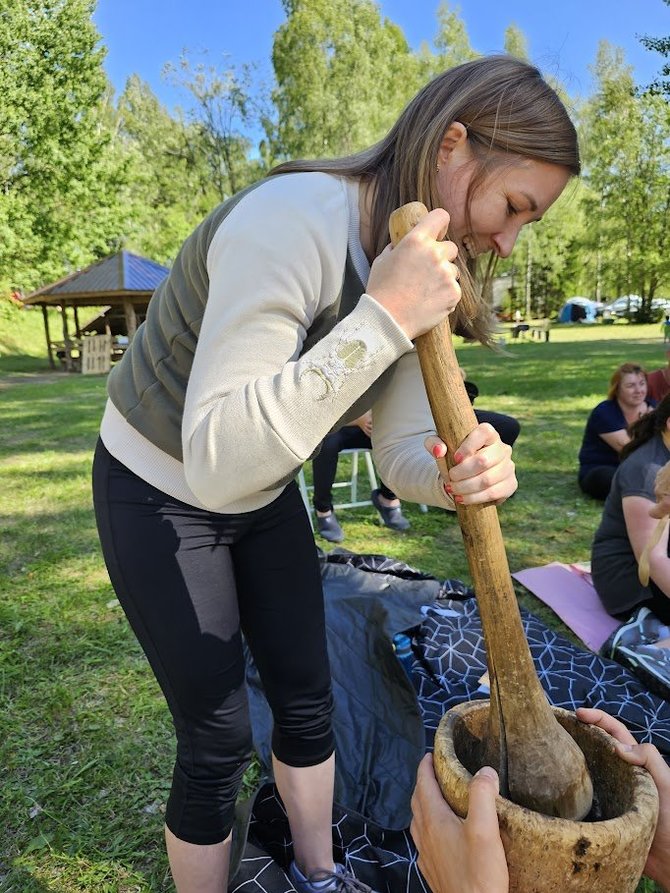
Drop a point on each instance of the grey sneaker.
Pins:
(338, 881)
(643, 628)
(329, 528)
(650, 664)
(391, 516)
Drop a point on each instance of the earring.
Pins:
(437, 168)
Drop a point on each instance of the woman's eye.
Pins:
(511, 210)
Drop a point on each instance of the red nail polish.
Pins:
(458, 457)
(448, 489)
(436, 451)
(458, 499)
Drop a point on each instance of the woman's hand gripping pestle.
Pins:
(540, 765)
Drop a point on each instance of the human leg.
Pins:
(307, 794)
(173, 576)
(383, 498)
(387, 493)
(198, 868)
(282, 614)
(324, 470)
(596, 482)
(506, 425)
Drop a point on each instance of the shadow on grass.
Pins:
(62, 414)
(12, 363)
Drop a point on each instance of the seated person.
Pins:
(606, 431)
(324, 468)
(358, 436)
(658, 381)
(467, 856)
(506, 425)
(625, 528)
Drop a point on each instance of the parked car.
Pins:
(631, 303)
(624, 304)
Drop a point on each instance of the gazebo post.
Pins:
(76, 321)
(45, 317)
(131, 319)
(66, 338)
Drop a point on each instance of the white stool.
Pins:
(351, 484)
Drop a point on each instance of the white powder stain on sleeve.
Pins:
(332, 369)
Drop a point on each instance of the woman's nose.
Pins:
(506, 240)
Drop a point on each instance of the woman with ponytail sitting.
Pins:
(625, 528)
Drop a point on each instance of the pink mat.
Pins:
(567, 589)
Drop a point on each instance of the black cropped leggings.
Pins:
(191, 581)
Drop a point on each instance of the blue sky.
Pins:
(142, 35)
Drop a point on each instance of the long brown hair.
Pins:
(618, 374)
(509, 111)
(647, 426)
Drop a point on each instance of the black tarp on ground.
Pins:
(384, 723)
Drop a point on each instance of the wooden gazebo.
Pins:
(122, 283)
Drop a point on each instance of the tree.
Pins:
(58, 170)
(546, 264)
(516, 43)
(168, 190)
(223, 112)
(627, 162)
(342, 74)
(660, 45)
(452, 42)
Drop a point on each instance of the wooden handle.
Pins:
(401, 222)
(538, 762)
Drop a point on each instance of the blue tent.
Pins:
(578, 310)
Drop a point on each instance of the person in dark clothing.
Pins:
(628, 523)
(506, 425)
(356, 436)
(606, 431)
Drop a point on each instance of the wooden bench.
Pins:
(539, 330)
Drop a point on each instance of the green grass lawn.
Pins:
(85, 740)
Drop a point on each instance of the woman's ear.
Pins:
(455, 137)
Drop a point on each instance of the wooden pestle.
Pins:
(540, 765)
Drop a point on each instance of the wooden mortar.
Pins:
(606, 853)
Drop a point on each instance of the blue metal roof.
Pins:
(140, 273)
(121, 272)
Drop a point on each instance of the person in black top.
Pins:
(606, 431)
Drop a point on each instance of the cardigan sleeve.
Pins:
(401, 421)
(256, 408)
